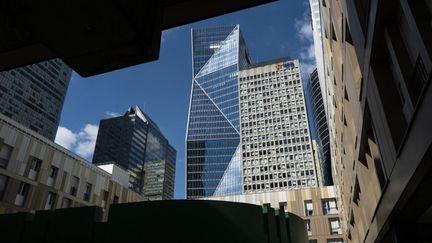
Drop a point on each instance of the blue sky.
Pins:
(162, 88)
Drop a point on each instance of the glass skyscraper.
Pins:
(130, 141)
(319, 121)
(213, 133)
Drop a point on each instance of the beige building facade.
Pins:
(276, 145)
(37, 174)
(377, 62)
(317, 206)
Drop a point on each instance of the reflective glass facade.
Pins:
(130, 141)
(319, 121)
(213, 162)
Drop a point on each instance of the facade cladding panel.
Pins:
(319, 121)
(213, 134)
(38, 174)
(34, 95)
(378, 65)
(276, 145)
(130, 141)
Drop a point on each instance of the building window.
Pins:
(22, 194)
(334, 241)
(335, 228)
(3, 184)
(74, 186)
(283, 206)
(34, 168)
(67, 203)
(87, 193)
(5, 154)
(308, 227)
(313, 241)
(308, 207)
(52, 176)
(115, 199)
(329, 206)
(50, 201)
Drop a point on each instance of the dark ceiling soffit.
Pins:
(98, 36)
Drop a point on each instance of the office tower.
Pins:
(38, 174)
(158, 180)
(378, 64)
(276, 145)
(319, 122)
(213, 159)
(34, 95)
(130, 141)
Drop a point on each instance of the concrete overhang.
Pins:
(97, 36)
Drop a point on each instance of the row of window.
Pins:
(280, 79)
(278, 185)
(294, 140)
(264, 92)
(270, 74)
(271, 96)
(33, 172)
(334, 227)
(291, 133)
(288, 162)
(256, 175)
(275, 151)
(278, 106)
(328, 206)
(51, 198)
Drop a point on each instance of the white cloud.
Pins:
(306, 69)
(81, 143)
(307, 52)
(65, 137)
(110, 114)
(87, 140)
(304, 29)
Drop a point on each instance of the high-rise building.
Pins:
(275, 138)
(319, 122)
(213, 159)
(130, 141)
(378, 68)
(34, 95)
(158, 180)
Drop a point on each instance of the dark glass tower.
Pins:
(34, 95)
(130, 141)
(319, 121)
(213, 163)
